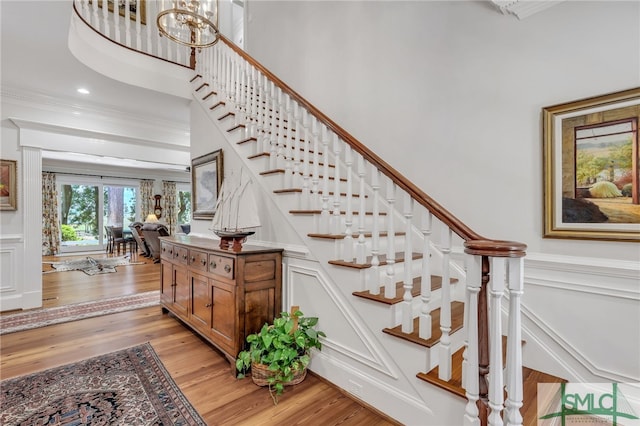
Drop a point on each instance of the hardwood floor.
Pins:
(198, 369)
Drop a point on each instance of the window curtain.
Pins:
(170, 213)
(146, 195)
(50, 222)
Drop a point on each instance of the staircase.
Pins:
(370, 226)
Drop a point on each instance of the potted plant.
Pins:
(279, 354)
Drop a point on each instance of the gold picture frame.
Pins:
(206, 179)
(133, 6)
(8, 185)
(591, 168)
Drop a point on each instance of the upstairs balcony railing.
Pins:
(310, 148)
(134, 26)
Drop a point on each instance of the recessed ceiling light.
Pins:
(83, 91)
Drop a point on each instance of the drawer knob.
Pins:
(213, 265)
(227, 268)
(184, 256)
(208, 305)
(204, 262)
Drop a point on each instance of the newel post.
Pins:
(486, 250)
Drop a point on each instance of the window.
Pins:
(183, 201)
(87, 204)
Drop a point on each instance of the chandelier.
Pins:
(189, 23)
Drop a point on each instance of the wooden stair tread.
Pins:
(342, 212)
(457, 317)
(530, 380)
(290, 190)
(382, 258)
(354, 235)
(436, 283)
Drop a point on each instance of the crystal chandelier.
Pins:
(189, 23)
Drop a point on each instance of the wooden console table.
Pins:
(222, 295)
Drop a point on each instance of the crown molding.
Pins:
(91, 110)
(523, 8)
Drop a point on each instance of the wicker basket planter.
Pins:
(285, 346)
(260, 375)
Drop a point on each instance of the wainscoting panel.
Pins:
(11, 248)
(582, 318)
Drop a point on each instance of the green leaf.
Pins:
(266, 340)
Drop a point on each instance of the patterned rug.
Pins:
(128, 387)
(36, 318)
(91, 266)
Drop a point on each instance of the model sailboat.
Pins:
(236, 213)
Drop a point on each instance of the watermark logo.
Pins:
(615, 404)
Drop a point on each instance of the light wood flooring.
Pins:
(198, 369)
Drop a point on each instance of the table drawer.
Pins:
(166, 251)
(221, 265)
(198, 260)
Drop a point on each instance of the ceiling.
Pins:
(35, 59)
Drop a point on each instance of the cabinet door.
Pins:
(200, 302)
(181, 300)
(166, 283)
(223, 318)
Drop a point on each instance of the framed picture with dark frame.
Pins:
(8, 185)
(206, 179)
(591, 177)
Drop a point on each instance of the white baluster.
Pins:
(95, 20)
(297, 147)
(278, 118)
(105, 19)
(361, 250)
(424, 329)
(138, 27)
(496, 290)
(390, 278)
(305, 197)
(147, 29)
(116, 22)
(444, 370)
(407, 297)
(315, 179)
(347, 243)
(288, 165)
(270, 108)
(325, 215)
(373, 279)
(514, 346)
(335, 217)
(470, 371)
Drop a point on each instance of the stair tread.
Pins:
(457, 316)
(293, 190)
(530, 380)
(354, 235)
(436, 283)
(318, 211)
(382, 258)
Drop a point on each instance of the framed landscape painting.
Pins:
(591, 178)
(206, 178)
(8, 186)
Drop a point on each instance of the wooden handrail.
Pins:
(501, 248)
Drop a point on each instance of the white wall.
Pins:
(450, 93)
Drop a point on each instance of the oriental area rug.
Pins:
(91, 265)
(36, 318)
(127, 387)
